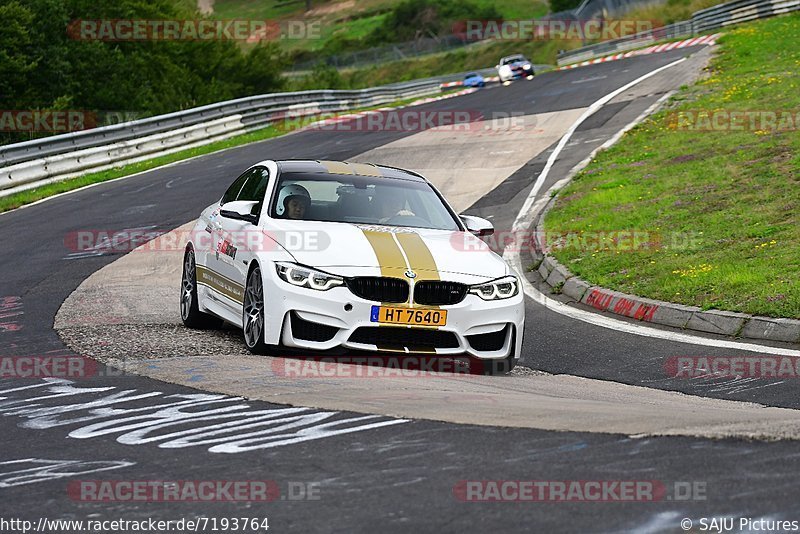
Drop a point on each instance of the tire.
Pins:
(253, 314)
(190, 312)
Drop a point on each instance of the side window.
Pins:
(233, 191)
(255, 188)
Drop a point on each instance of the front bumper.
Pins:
(517, 74)
(475, 327)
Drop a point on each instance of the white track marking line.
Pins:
(524, 215)
(532, 206)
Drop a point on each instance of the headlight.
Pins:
(300, 276)
(527, 66)
(502, 288)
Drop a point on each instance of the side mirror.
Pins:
(240, 210)
(478, 226)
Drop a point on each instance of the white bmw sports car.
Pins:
(322, 255)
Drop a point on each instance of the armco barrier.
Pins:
(702, 21)
(61, 166)
(28, 164)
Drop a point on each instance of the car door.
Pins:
(236, 240)
(206, 245)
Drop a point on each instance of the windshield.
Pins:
(472, 75)
(513, 59)
(361, 200)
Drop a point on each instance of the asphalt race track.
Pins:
(390, 474)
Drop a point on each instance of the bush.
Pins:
(563, 5)
(41, 66)
(412, 19)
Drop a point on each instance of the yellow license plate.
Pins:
(408, 316)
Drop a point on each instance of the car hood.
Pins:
(388, 251)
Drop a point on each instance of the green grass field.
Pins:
(722, 202)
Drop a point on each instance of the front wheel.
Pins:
(253, 313)
(190, 311)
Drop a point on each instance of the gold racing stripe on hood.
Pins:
(419, 256)
(390, 257)
(415, 255)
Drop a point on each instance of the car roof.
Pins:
(513, 56)
(345, 167)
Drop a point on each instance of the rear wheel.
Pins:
(253, 313)
(190, 311)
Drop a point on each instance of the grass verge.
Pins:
(17, 200)
(715, 196)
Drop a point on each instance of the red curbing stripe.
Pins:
(706, 39)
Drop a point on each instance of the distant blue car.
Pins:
(473, 79)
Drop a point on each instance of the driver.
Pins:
(391, 203)
(293, 201)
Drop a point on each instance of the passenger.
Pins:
(293, 202)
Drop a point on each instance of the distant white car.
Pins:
(514, 67)
(321, 255)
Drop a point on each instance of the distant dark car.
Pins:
(473, 79)
(514, 67)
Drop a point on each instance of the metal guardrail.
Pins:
(264, 104)
(740, 11)
(49, 159)
(702, 21)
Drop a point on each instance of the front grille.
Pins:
(308, 331)
(436, 293)
(488, 342)
(390, 337)
(379, 288)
